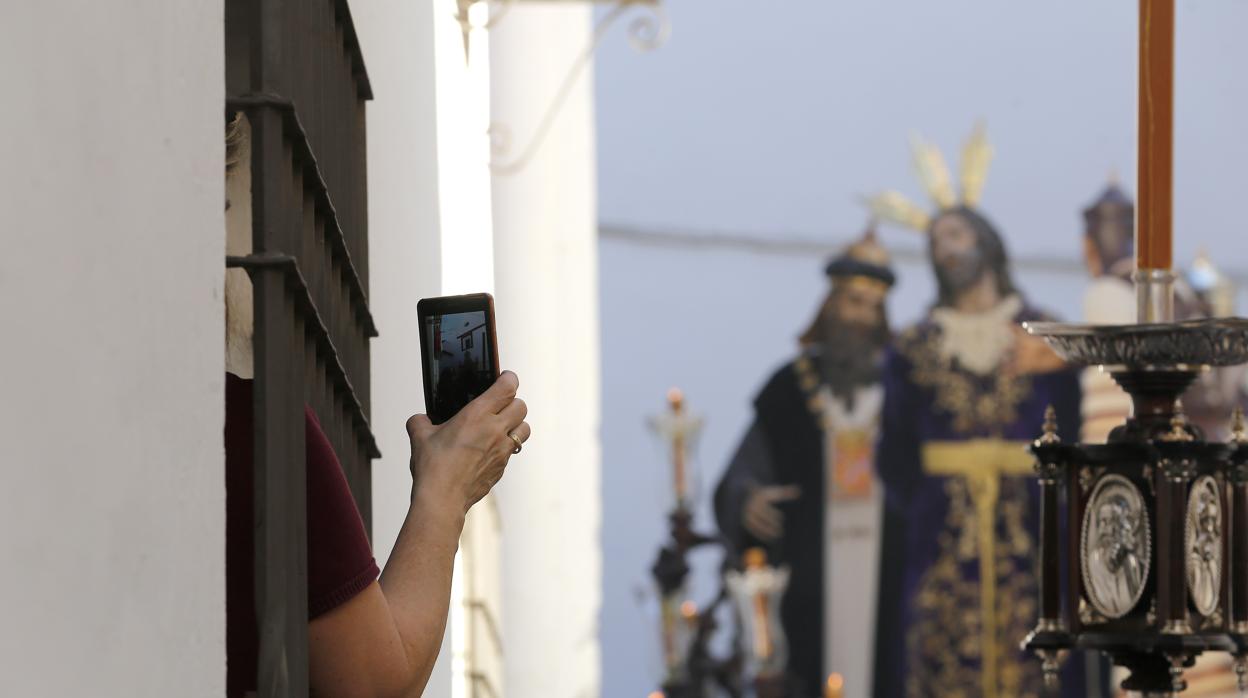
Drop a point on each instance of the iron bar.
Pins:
(325, 344)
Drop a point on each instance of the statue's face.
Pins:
(1112, 228)
(1115, 228)
(956, 255)
(1208, 518)
(1117, 534)
(851, 331)
(860, 307)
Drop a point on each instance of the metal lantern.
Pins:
(1155, 521)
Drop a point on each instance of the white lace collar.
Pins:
(979, 341)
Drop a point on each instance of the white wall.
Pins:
(112, 490)
(404, 243)
(546, 277)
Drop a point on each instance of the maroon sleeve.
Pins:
(340, 561)
(241, 644)
(340, 564)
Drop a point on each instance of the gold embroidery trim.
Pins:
(982, 462)
(959, 393)
(808, 380)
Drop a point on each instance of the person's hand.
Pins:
(761, 517)
(1031, 356)
(463, 458)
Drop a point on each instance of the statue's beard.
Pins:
(850, 356)
(960, 273)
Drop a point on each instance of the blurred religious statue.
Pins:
(801, 484)
(964, 391)
(1204, 292)
(1109, 251)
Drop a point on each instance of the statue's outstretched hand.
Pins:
(1031, 355)
(761, 517)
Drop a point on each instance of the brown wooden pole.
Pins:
(1154, 248)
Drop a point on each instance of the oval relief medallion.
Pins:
(1203, 545)
(1116, 552)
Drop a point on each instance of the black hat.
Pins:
(864, 258)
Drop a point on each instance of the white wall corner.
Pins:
(546, 275)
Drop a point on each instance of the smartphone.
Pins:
(458, 349)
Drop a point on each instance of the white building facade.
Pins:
(113, 499)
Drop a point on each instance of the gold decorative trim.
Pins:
(937, 183)
(1049, 435)
(1178, 427)
(976, 157)
(1239, 434)
(1177, 627)
(1050, 666)
(1088, 477)
(1241, 672)
(809, 381)
(1215, 619)
(950, 600)
(893, 206)
(982, 463)
(1089, 615)
(929, 165)
(1050, 625)
(1178, 472)
(959, 393)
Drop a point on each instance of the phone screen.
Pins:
(459, 360)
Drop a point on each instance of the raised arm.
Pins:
(385, 640)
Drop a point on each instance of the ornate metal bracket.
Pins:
(647, 31)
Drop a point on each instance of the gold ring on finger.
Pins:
(519, 444)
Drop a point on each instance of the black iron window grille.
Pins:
(295, 69)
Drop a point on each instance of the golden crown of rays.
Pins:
(934, 175)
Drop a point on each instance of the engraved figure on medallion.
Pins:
(1204, 544)
(1116, 546)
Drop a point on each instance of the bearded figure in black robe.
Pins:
(802, 483)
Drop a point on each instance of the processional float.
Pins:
(1144, 539)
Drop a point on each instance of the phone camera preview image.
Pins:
(460, 363)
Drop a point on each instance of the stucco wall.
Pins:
(546, 271)
(112, 501)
